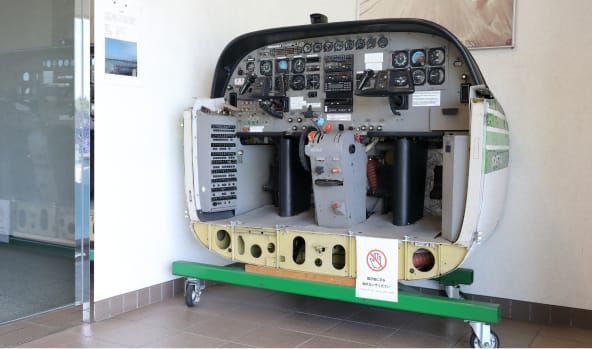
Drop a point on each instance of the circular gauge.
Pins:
(328, 46)
(400, 78)
(265, 67)
(307, 48)
(66, 62)
(371, 42)
(419, 76)
(360, 44)
(250, 67)
(298, 65)
(418, 58)
(26, 76)
(298, 82)
(317, 47)
(436, 56)
(349, 45)
(382, 42)
(436, 76)
(338, 45)
(400, 59)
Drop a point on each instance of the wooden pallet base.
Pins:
(326, 279)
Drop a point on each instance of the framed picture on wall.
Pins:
(121, 57)
(121, 31)
(477, 23)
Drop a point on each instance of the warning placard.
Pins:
(377, 268)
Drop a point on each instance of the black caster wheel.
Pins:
(192, 294)
(474, 342)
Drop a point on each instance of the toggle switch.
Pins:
(338, 208)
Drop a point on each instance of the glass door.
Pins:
(44, 156)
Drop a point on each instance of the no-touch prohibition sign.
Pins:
(376, 260)
(377, 279)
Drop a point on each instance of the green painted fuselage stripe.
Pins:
(495, 160)
(494, 105)
(499, 157)
(497, 122)
(494, 138)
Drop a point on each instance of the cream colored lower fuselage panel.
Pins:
(322, 251)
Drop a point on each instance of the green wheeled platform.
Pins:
(478, 314)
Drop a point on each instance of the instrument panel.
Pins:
(373, 83)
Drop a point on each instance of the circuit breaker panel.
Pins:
(215, 149)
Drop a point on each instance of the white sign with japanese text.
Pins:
(377, 268)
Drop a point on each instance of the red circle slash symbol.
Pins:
(376, 260)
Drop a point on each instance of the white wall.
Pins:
(541, 251)
(140, 226)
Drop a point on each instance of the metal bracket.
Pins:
(453, 292)
(482, 332)
(199, 285)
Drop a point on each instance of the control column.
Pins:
(338, 168)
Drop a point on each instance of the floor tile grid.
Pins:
(532, 338)
(262, 329)
(231, 316)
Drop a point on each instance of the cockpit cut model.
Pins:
(316, 135)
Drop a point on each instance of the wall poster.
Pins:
(477, 23)
(121, 38)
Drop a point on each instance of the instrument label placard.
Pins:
(426, 99)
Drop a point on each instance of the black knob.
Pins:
(319, 170)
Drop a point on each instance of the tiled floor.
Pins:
(232, 316)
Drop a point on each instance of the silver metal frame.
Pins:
(82, 155)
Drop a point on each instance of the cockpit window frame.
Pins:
(246, 43)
